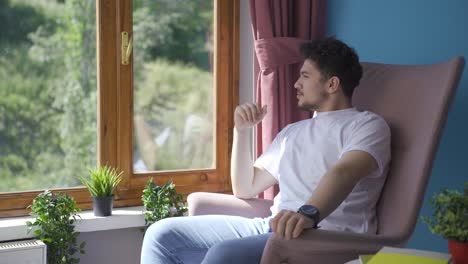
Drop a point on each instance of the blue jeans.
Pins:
(206, 239)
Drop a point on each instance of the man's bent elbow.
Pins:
(243, 195)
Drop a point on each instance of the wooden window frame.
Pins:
(115, 111)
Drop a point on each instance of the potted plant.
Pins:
(450, 220)
(161, 202)
(101, 186)
(54, 224)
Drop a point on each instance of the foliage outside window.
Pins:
(47, 93)
(173, 87)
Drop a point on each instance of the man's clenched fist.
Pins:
(248, 115)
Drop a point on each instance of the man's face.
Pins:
(311, 88)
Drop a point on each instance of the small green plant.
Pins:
(103, 181)
(161, 202)
(54, 224)
(450, 216)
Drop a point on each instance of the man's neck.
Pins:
(334, 106)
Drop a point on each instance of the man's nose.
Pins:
(296, 85)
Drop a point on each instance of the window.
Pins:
(173, 106)
(118, 104)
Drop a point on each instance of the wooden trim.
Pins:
(125, 101)
(115, 111)
(227, 79)
(107, 59)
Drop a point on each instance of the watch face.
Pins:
(309, 209)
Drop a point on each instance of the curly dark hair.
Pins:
(334, 58)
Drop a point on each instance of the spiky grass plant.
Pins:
(103, 181)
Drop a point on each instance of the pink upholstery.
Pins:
(414, 100)
(201, 203)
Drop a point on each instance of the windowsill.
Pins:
(124, 217)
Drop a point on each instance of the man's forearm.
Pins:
(242, 170)
(333, 188)
(340, 180)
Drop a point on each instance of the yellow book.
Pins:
(364, 259)
(389, 255)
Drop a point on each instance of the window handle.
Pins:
(126, 49)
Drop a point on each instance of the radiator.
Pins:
(23, 252)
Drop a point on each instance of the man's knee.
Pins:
(161, 230)
(232, 251)
(223, 252)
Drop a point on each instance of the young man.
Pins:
(330, 170)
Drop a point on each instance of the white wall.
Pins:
(123, 246)
(120, 246)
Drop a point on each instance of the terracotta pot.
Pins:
(459, 252)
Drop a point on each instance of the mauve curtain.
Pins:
(279, 26)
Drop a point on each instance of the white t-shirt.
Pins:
(304, 151)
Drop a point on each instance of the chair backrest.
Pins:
(414, 100)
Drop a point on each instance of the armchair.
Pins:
(414, 100)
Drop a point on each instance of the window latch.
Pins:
(126, 49)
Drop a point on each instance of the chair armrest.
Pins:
(203, 203)
(323, 246)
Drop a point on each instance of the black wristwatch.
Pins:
(311, 212)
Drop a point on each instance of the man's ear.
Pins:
(333, 84)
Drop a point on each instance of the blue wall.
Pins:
(415, 32)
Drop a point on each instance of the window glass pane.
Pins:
(173, 85)
(47, 93)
